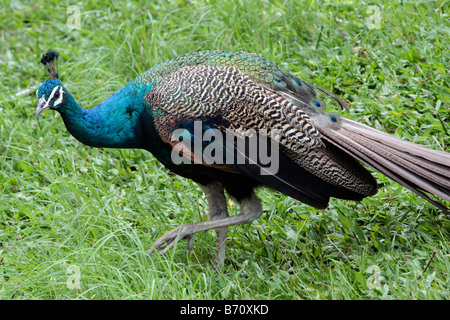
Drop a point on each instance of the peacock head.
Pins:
(51, 93)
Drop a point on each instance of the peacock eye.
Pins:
(56, 94)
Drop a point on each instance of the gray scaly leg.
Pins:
(217, 209)
(251, 209)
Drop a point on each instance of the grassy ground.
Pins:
(69, 212)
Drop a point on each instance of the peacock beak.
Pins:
(42, 105)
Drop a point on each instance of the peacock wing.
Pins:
(227, 101)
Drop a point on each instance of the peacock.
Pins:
(217, 117)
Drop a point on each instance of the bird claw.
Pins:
(170, 238)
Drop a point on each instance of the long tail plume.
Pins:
(414, 166)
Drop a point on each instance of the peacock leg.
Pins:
(251, 209)
(217, 209)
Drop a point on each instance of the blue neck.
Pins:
(122, 121)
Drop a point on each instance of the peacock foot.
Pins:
(170, 238)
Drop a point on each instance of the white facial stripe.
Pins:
(37, 93)
(51, 96)
(60, 98)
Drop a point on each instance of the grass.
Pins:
(65, 206)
